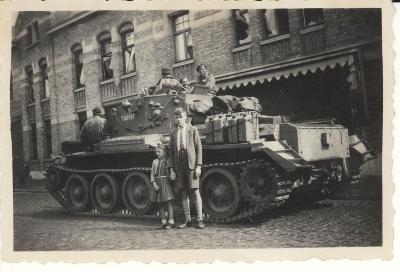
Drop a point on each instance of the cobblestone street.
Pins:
(40, 224)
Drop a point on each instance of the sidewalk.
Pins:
(36, 185)
(369, 185)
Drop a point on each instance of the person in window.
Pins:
(167, 83)
(186, 86)
(94, 129)
(205, 82)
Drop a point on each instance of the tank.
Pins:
(251, 162)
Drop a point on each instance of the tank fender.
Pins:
(280, 153)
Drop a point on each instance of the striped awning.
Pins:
(283, 71)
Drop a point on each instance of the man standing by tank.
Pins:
(93, 130)
(185, 160)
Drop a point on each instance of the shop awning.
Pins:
(287, 69)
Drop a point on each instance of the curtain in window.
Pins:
(271, 22)
(108, 72)
(46, 88)
(130, 59)
(129, 52)
(242, 24)
(180, 44)
(107, 60)
(81, 75)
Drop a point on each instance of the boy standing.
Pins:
(185, 164)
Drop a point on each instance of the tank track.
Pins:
(256, 208)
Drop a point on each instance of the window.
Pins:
(128, 48)
(34, 151)
(78, 62)
(276, 21)
(45, 92)
(183, 37)
(47, 127)
(32, 33)
(241, 17)
(106, 55)
(29, 81)
(11, 88)
(313, 17)
(82, 117)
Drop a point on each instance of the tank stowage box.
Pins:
(247, 126)
(232, 128)
(219, 127)
(316, 141)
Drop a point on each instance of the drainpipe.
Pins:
(55, 93)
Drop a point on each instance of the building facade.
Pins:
(305, 63)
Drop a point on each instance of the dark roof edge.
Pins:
(70, 21)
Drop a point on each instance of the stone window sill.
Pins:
(241, 48)
(131, 74)
(311, 29)
(32, 45)
(79, 89)
(106, 81)
(275, 38)
(182, 63)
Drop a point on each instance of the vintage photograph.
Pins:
(197, 129)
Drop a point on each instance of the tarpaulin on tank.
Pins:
(229, 103)
(199, 104)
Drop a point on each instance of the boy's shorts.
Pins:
(185, 177)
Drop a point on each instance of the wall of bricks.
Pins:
(214, 44)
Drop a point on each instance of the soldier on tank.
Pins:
(186, 86)
(205, 82)
(93, 130)
(185, 160)
(167, 83)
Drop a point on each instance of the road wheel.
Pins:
(104, 192)
(136, 190)
(54, 178)
(77, 192)
(260, 185)
(220, 193)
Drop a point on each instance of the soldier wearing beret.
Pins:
(93, 130)
(167, 83)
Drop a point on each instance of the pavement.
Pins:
(40, 224)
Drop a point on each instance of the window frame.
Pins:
(82, 117)
(77, 52)
(317, 23)
(176, 33)
(44, 76)
(29, 80)
(103, 39)
(48, 138)
(32, 35)
(124, 30)
(278, 22)
(237, 40)
(34, 141)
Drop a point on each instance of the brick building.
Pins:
(313, 63)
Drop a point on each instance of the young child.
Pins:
(162, 192)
